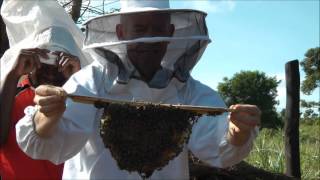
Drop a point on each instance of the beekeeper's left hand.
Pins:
(242, 120)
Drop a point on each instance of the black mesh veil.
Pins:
(184, 49)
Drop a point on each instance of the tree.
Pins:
(253, 87)
(75, 9)
(311, 67)
(311, 109)
(82, 10)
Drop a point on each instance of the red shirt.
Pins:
(15, 164)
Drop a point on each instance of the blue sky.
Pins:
(255, 35)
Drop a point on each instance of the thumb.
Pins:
(49, 90)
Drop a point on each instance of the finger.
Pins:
(42, 52)
(233, 128)
(58, 53)
(245, 119)
(71, 66)
(251, 109)
(61, 61)
(67, 68)
(48, 90)
(74, 61)
(238, 127)
(27, 55)
(27, 51)
(46, 100)
(37, 51)
(52, 109)
(64, 54)
(61, 54)
(27, 63)
(67, 60)
(37, 61)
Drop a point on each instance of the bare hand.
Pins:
(50, 101)
(28, 60)
(242, 120)
(67, 63)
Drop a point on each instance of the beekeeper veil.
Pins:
(39, 24)
(151, 32)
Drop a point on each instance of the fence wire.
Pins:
(91, 8)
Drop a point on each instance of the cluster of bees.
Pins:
(145, 138)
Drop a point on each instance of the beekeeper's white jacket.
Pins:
(77, 141)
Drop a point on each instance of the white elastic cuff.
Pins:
(31, 112)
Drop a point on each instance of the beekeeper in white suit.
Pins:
(39, 24)
(43, 50)
(145, 52)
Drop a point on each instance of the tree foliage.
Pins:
(312, 110)
(311, 67)
(253, 87)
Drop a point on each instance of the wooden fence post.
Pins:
(292, 152)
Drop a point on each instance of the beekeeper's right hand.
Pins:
(50, 103)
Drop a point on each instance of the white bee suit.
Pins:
(77, 141)
(78, 138)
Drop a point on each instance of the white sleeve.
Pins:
(74, 129)
(209, 143)
(208, 140)
(71, 135)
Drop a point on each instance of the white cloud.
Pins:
(212, 6)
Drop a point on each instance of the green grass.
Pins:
(268, 151)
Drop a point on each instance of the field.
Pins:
(268, 152)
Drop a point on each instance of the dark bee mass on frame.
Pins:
(145, 138)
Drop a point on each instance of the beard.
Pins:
(147, 57)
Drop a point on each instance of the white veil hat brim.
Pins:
(185, 46)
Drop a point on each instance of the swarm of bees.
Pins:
(145, 138)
